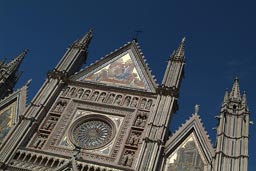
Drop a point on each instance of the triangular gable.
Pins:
(189, 148)
(10, 108)
(125, 68)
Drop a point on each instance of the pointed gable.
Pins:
(125, 68)
(10, 109)
(189, 148)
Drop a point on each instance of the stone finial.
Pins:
(197, 108)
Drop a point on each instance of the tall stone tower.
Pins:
(233, 132)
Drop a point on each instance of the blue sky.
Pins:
(220, 44)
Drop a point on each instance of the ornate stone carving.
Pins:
(134, 138)
(60, 106)
(94, 96)
(86, 94)
(50, 123)
(127, 101)
(134, 102)
(118, 100)
(149, 104)
(111, 98)
(92, 131)
(72, 93)
(39, 141)
(102, 97)
(127, 158)
(143, 103)
(65, 91)
(79, 93)
(141, 119)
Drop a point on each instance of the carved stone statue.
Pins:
(79, 93)
(95, 96)
(138, 121)
(111, 98)
(86, 94)
(127, 158)
(72, 92)
(134, 102)
(102, 97)
(127, 101)
(143, 103)
(65, 92)
(134, 139)
(149, 104)
(118, 100)
(60, 106)
(197, 108)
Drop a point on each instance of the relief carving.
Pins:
(40, 141)
(50, 123)
(102, 97)
(60, 106)
(111, 98)
(66, 90)
(86, 94)
(79, 93)
(94, 96)
(134, 138)
(143, 103)
(134, 102)
(141, 119)
(118, 100)
(71, 93)
(127, 158)
(149, 104)
(127, 101)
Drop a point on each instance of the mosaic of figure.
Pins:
(120, 72)
(6, 118)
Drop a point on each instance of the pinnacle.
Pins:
(235, 92)
(15, 63)
(180, 51)
(84, 41)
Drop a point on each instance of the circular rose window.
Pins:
(93, 131)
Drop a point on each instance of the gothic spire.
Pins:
(179, 53)
(235, 92)
(84, 41)
(15, 63)
(226, 96)
(174, 70)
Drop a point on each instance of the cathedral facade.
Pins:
(113, 116)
